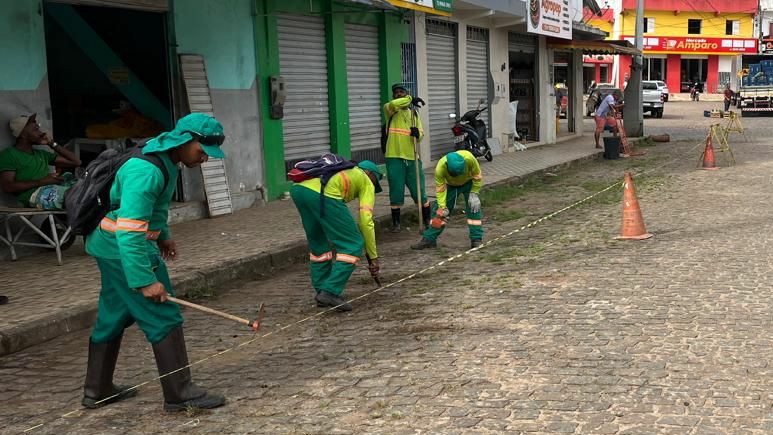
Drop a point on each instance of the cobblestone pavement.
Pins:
(37, 299)
(558, 329)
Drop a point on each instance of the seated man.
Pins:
(24, 170)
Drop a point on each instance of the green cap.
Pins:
(208, 130)
(370, 166)
(455, 163)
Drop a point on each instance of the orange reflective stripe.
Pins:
(366, 209)
(475, 222)
(107, 225)
(400, 131)
(441, 187)
(327, 256)
(347, 258)
(131, 225)
(345, 179)
(111, 226)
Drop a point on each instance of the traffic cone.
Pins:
(633, 223)
(708, 156)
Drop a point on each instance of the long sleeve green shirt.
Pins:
(347, 185)
(443, 179)
(399, 140)
(131, 232)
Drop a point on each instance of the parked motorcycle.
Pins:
(470, 133)
(695, 93)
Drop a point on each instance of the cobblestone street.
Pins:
(557, 329)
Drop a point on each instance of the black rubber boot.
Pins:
(99, 375)
(424, 244)
(395, 221)
(474, 243)
(425, 215)
(325, 299)
(180, 393)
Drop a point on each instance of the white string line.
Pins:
(374, 291)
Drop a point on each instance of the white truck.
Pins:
(753, 95)
(652, 98)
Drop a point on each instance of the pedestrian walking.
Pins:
(130, 246)
(457, 173)
(728, 96)
(327, 222)
(404, 132)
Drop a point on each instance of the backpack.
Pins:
(88, 201)
(385, 133)
(323, 168)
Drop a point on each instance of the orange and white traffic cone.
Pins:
(633, 223)
(708, 156)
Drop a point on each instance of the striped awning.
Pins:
(594, 47)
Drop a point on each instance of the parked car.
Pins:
(652, 98)
(601, 91)
(663, 89)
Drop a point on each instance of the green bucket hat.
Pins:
(208, 131)
(370, 166)
(455, 163)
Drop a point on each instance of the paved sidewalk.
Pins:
(48, 301)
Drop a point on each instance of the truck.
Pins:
(753, 92)
(652, 98)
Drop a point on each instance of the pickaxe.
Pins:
(254, 324)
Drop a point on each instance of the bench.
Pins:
(25, 216)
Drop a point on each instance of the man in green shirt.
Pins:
(130, 246)
(403, 127)
(24, 170)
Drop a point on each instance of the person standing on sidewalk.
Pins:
(403, 128)
(456, 173)
(335, 226)
(728, 96)
(129, 245)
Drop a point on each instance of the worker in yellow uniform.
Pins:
(457, 173)
(403, 127)
(335, 227)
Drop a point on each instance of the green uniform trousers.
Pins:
(401, 173)
(474, 223)
(120, 306)
(337, 228)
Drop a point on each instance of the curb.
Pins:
(269, 264)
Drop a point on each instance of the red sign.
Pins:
(687, 45)
(598, 58)
(767, 45)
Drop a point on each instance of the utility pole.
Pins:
(633, 113)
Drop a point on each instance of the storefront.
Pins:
(596, 68)
(523, 81)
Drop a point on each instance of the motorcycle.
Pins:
(470, 133)
(695, 93)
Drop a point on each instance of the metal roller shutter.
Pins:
(478, 70)
(303, 64)
(520, 42)
(364, 78)
(441, 98)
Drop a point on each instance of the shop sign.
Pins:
(598, 58)
(549, 18)
(683, 44)
(767, 45)
(437, 7)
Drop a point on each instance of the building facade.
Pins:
(689, 41)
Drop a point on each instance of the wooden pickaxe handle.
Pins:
(254, 324)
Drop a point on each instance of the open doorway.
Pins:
(109, 79)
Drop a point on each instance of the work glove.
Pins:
(415, 132)
(474, 202)
(373, 267)
(417, 102)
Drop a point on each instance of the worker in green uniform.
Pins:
(456, 173)
(129, 245)
(330, 271)
(403, 127)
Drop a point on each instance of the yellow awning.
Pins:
(420, 5)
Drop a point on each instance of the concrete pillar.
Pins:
(674, 73)
(577, 91)
(712, 75)
(546, 97)
(423, 82)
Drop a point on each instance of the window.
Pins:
(732, 27)
(649, 25)
(694, 27)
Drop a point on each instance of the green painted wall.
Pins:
(222, 31)
(22, 44)
(392, 31)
